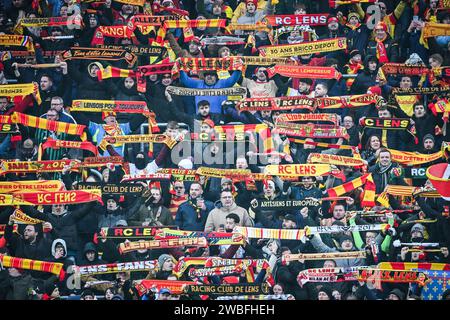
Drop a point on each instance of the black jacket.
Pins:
(65, 225)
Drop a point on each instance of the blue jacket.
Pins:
(215, 101)
(186, 217)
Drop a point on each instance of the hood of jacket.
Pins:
(61, 241)
(366, 64)
(90, 247)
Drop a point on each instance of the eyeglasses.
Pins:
(178, 188)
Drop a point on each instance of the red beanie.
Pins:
(255, 2)
(381, 25)
(106, 114)
(332, 19)
(375, 90)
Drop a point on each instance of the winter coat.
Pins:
(186, 218)
(218, 216)
(65, 225)
(156, 214)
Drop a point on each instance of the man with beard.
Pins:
(178, 197)
(381, 172)
(32, 245)
(192, 214)
(152, 212)
(203, 113)
(333, 29)
(299, 87)
(64, 222)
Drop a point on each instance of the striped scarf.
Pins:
(207, 64)
(261, 129)
(58, 126)
(14, 90)
(369, 191)
(35, 265)
(15, 40)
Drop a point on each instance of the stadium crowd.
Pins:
(211, 149)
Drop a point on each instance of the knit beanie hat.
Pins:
(98, 64)
(398, 293)
(345, 237)
(429, 137)
(418, 227)
(353, 14)
(327, 290)
(163, 258)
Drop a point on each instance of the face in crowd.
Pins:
(385, 158)
(3, 103)
(375, 143)
(110, 120)
(303, 87)
(419, 110)
(129, 83)
(338, 212)
(204, 110)
(269, 189)
(45, 83)
(241, 163)
(405, 83)
(166, 79)
(178, 186)
(320, 90)
(428, 144)
(348, 122)
(227, 199)
(29, 233)
(230, 224)
(195, 191)
(58, 209)
(210, 79)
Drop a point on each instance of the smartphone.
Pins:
(221, 226)
(416, 18)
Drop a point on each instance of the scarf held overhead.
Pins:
(35, 265)
(233, 91)
(31, 186)
(305, 48)
(79, 53)
(14, 90)
(41, 123)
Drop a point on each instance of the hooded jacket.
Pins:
(57, 241)
(366, 78)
